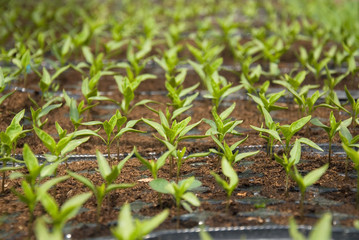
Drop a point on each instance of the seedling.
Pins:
(322, 229)
(229, 187)
(32, 189)
(22, 62)
(354, 107)
(288, 132)
(62, 147)
(4, 81)
(116, 121)
(222, 124)
(349, 141)
(288, 162)
(47, 82)
(331, 129)
(271, 132)
(268, 102)
(41, 112)
(132, 229)
(59, 216)
(330, 83)
(127, 87)
(229, 153)
(173, 133)
(109, 175)
(13, 133)
(43, 233)
(354, 156)
(179, 191)
(218, 88)
(306, 181)
(153, 165)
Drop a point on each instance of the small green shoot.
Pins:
(109, 175)
(229, 187)
(354, 156)
(133, 229)
(331, 129)
(180, 192)
(306, 181)
(322, 229)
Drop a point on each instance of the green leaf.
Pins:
(191, 198)
(323, 228)
(353, 155)
(112, 187)
(103, 165)
(83, 180)
(46, 139)
(314, 175)
(310, 143)
(293, 230)
(73, 144)
(228, 171)
(159, 185)
(31, 161)
(147, 226)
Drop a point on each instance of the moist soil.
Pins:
(259, 199)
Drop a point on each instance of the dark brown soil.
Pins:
(259, 199)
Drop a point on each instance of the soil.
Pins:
(259, 199)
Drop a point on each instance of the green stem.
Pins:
(301, 205)
(286, 184)
(108, 152)
(330, 152)
(227, 203)
(171, 166)
(178, 216)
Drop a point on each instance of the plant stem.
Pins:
(301, 204)
(286, 184)
(118, 148)
(227, 203)
(178, 216)
(171, 166)
(357, 194)
(108, 152)
(330, 151)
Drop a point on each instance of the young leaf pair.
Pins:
(109, 174)
(180, 192)
(171, 131)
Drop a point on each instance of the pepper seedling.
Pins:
(47, 82)
(62, 147)
(322, 229)
(180, 192)
(354, 156)
(171, 131)
(349, 141)
(59, 216)
(33, 190)
(229, 187)
(288, 162)
(331, 129)
(222, 124)
(306, 181)
(133, 229)
(109, 175)
(116, 121)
